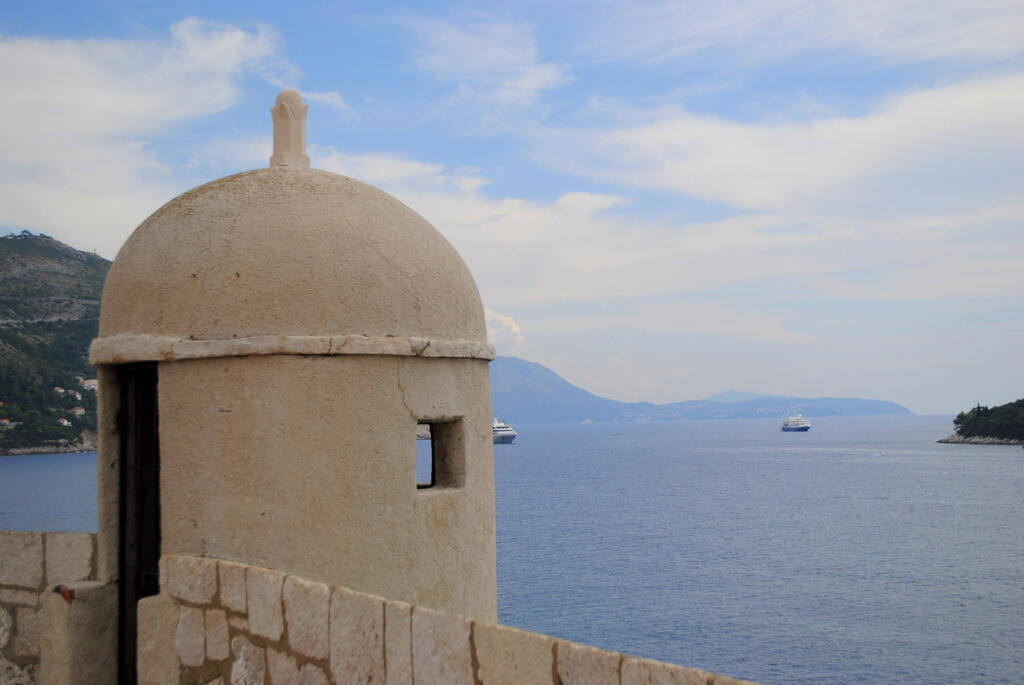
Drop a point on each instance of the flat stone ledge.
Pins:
(21, 559)
(508, 656)
(441, 651)
(191, 579)
(121, 349)
(585, 665)
(69, 557)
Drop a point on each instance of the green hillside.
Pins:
(49, 312)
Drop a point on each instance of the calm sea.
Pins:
(860, 551)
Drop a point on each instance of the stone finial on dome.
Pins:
(289, 114)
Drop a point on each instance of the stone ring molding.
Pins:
(127, 348)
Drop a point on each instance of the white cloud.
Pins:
(504, 333)
(946, 149)
(744, 34)
(390, 170)
(494, 64)
(332, 99)
(528, 255)
(77, 163)
(713, 318)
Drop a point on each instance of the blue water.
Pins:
(48, 492)
(857, 552)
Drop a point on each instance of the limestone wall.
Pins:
(223, 622)
(30, 564)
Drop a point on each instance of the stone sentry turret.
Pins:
(268, 343)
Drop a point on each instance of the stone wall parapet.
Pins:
(257, 625)
(31, 563)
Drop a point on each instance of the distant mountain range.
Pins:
(526, 392)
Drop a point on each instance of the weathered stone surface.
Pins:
(250, 664)
(189, 637)
(282, 668)
(398, 642)
(68, 557)
(29, 598)
(357, 638)
(507, 656)
(440, 648)
(263, 590)
(586, 665)
(285, 671)
(158, 622)
(5, 627)
(648, 672)
(192, 579)
(21, 559)
(78, 639)
(312, 675)
(26, 636)
(218, 646)
(13, 674)
(307, 610)
(239, 623)
(232, 586)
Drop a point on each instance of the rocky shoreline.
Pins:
(86, 443)
(980, 440)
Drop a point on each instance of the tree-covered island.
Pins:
(1002, 425)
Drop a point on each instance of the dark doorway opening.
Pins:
(139, 523)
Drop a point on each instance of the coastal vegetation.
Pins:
(1005, 422)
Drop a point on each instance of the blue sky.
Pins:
(659, 200)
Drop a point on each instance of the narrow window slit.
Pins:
(440, 454)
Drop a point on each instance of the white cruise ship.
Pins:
(796, 423)
(502, 432)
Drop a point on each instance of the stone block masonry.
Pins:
(243, 624)
(32, 564)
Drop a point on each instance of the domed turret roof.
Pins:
(287, 251)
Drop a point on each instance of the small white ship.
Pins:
(796, 423)
(502, 432)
